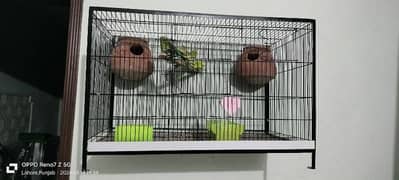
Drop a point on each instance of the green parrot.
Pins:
(181, 56)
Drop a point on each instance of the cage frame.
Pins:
(86, 152)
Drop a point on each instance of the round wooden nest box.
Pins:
(131, 58)
(256, 65)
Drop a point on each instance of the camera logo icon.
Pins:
(11, 168)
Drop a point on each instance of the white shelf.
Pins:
(198, 146)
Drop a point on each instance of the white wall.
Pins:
(357, 64)
(45, 116)
(396, 164)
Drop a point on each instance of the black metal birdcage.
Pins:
(162, 82)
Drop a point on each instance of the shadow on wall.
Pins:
(178, 163)
(396, 160)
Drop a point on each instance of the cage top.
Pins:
(223, 16)
(199, 27)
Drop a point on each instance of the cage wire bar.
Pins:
(179, 106)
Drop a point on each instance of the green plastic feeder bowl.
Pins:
(225, 130)
(134, 133)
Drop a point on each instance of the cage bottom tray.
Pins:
(197, 136)
(198, 141)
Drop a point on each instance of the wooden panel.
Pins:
(70, 83)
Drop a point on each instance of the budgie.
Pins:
(180, 56)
